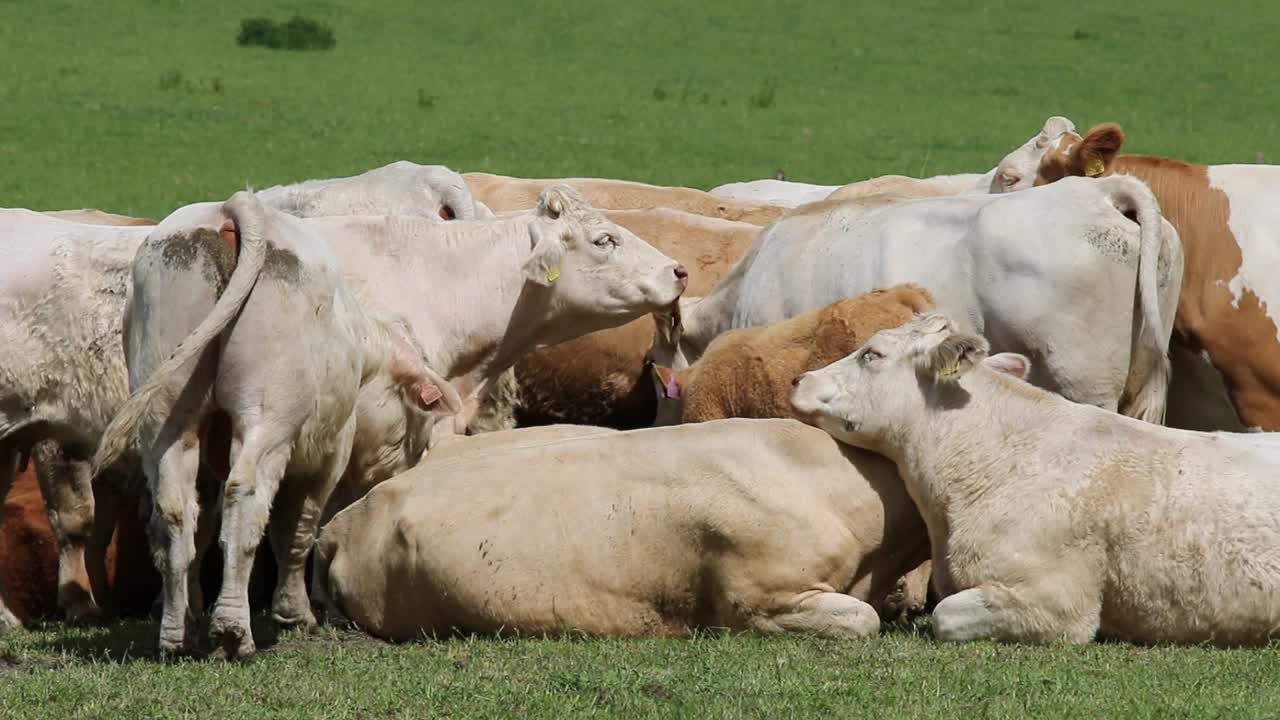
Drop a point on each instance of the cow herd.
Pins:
(475, 403)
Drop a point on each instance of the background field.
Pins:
(141, 107)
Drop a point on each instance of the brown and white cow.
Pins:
(1228, 217)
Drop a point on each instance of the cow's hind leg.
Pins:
(9, 458)
(828, 614)
(174, 514)
(257, 469)
(294, 523)
(1019, 614)
(67, 485)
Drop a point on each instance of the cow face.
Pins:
(869, 398)
(1093, 155)
(593, 271)
(1017, 171)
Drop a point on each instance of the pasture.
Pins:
(140, 110)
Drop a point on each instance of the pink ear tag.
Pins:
(671, 388)
(428, 394)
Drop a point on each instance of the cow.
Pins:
(747, 372)
(782, 193)
(599, 379)
(502, 194)
(293, 350)
(1037, 272)
(1227, 328)
(62, 370)
(763, 525)
(1054, 521)
(29, 556)
(904, 186)
(92, 216)
(399, 188)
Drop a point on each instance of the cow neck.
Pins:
(713, 314)
(971, 437)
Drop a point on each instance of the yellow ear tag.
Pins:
(553, 274)
(1095, 168)
(951, 369)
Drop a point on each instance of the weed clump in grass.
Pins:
(426, 101)
(299, 33)
(763, 98)
(170, 79)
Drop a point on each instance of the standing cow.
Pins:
(1227, 328)
(1082, 275)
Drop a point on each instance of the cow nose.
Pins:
(795, 382)
(682, 277)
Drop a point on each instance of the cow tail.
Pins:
(248, 218)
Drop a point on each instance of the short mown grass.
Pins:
(52, 672)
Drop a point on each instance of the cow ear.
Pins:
(543, 265)
(1095, 155)
(558, 198)
(952, 357)
(666, 382)
(1011, 364)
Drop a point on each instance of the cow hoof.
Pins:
(84, 615)
(174, 649)
(231, 641)
(305, 620)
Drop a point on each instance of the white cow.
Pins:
(774, 192)
(764, 525)
(1062, 276)
(62, 370)
(400, 188)
(242, 309)
(1051, 520)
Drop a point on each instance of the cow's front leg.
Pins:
(67, 485)
(1042, 614)
(9, 459)
(828, 614)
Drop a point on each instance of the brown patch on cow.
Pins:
(1093, 155)
(601, 379)
(281, 264)
(182, 250)
(748, 372)
(29, 554)
(1239, 337)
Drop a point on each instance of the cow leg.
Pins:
(294, 523)
(1015, 614)
(67, 486)
(9, 458)
(174, 515)
(828, 614)
(256, 472)
(105, 514)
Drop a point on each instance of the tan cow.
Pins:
(502, 193)
(1051, 520)
(600, 379)
(92, 216)
(1228, 217)
(748, 372)
(763, 525)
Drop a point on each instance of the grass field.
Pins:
(141, 107)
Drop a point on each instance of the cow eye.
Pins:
(605, 241)
(869, 356)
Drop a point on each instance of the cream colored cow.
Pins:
(764, 525)
(1051, 520)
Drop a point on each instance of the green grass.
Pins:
(141, 107)
(107, 672)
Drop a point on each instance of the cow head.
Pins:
(669, 389)
(1017, 171)
(1093, 155)
(592, 272)
(869, 398)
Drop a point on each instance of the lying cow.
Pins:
(91, 216)
(1229, 309)
(600, 378)
(502, 194)
(1055, 521)
(782, 193)
(62, 370)
(764, 525)
(1061, 273)
(240, 309)
(748, 372)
